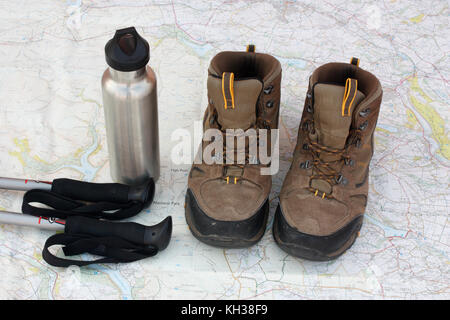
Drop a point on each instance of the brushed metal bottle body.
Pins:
(131, 117)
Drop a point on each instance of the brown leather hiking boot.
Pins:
(324, 194)
(227, 204)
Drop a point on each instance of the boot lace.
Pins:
(248, 160)
(327, 170)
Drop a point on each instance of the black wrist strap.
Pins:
(84, 205)
(63, 207)
(113, 249)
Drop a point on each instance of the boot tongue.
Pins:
(331, 126)
(234, 100)
(332, 122)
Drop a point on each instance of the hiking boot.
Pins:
(324, 194)
(227, 203)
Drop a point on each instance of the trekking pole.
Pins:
(115, 241)
(79, 209)
(112, 201)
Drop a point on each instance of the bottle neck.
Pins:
(127, 75)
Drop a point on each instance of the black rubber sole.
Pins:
(311, 247)
(225, 234)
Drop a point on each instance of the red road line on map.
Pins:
(179, 27)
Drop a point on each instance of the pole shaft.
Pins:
(31, 221)
(24, 184)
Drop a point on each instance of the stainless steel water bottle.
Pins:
(131, 109)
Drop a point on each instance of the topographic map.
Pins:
(52, 125)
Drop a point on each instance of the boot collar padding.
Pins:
(338, 73)
(245, 65)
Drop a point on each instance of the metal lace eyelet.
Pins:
(349, 162)
(305, 126)
(266, 125)
(309, 108)
(305, 146)
(269, 104)
(268, 90)
(358, 143)
(365, 112)
(340, 179)
(364, 125)
(309, 95)
(305, 165)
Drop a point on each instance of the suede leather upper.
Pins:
(254, 73)
(306, 211)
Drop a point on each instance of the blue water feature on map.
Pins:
(200, 49)
(388, 231)
(387, 127)
(118, 280)
(293, 62)
(85, 166)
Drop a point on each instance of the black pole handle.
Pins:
(158, 235)
(108, 192)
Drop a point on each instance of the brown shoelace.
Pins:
(233, 179)
(326, 170)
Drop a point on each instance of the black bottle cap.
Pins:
(127, 50)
